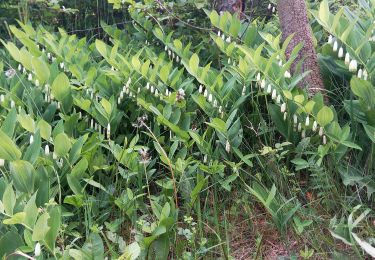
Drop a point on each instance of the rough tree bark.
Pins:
(294, 20)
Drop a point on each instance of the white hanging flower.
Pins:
(148, 86)
(315, 126)
(285, 115)
(30, 77)
(360, 73)
(31, 139)
(12, 104)
(152, 89)
(62, 65)
(307, 122)
(23, 70)
(283, 107)
(58, 105)
(269, 89)
(273, 9)
(228, 39)
(37, 83)
(335, 46)
(353, 66)
(165, 48)
(200, 89)
(243, 91)
(169, 53)
(210, 98)
(229, 60)
(37, 249)
(43, 50)
(295, 119)
(347, 59)
(54, 156)
(274, 94)
(108, 130)
(2, 98)
(258, 76)
(205, 93)
(303, 134)
(220, 109)
(321, 131)
(278, 99)
(121, 94)
(46, 149)
(180, 95)
(223, 37)
(177, 58)
(365, 74)
(269, 6)
(330, 39)
(227, 146)
(118, 101)
(19, 67)
(263, 84)
(215, 103)
(92, 123)
(156, 92)
(2, 162)
(80, 115)
(324, 140)
(218, 33)
(341, 52)
(287, 75)
(49, 55)
(280, 63)
(299, 127)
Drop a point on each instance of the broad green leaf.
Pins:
(8, 149)
(62, 144)
(41, 227)
(45, 129)
(23, 175)
(9, 200)
(325, 116)
(194, 63)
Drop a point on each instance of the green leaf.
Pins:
(61, 90)
(324, 12)
(9, 200)
(132, 252)
(62, 144)
(194, 63)
(93, 247)
(45, 129)
(370, 131)
(17, 218)
(41, 70)
(26, 122)
(219, 125)
(54, 223)
(31, 212)
(41, 227)
(325, 116)
(8, 124)
(23, 175)
(8, 149)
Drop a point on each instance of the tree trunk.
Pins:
(232, 6)
(294, 20)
